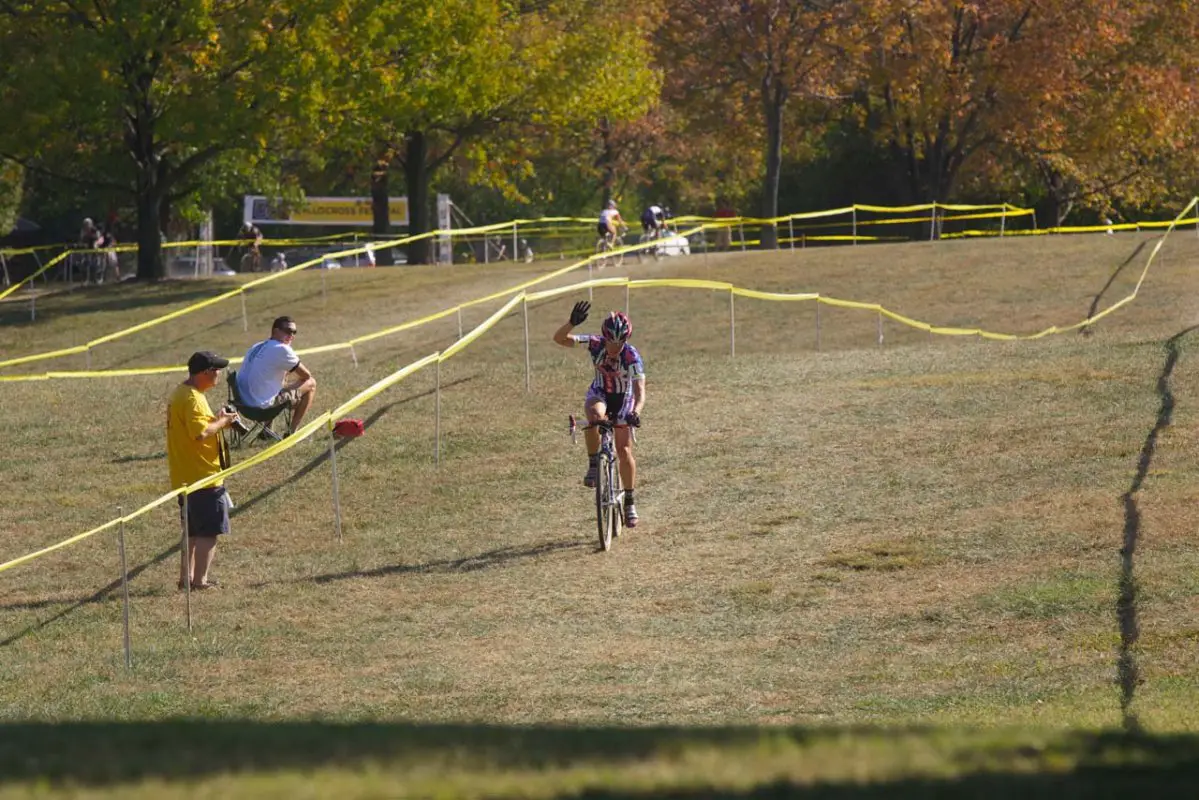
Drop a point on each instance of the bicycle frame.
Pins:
(606, 244)
(609, 496)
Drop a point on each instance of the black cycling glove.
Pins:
(578, 314)
(633, 418)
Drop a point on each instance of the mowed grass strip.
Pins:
(923, 531)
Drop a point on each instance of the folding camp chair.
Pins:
(258, 422)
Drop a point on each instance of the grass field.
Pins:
(937, 565)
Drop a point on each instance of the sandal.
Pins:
(212, 584)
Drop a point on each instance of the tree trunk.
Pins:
(416, 176)
(151, 190)
(1057, 203)
(149, 236)
(381, 205)
(606, 161)
(773, 107)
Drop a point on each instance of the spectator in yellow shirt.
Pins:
(196, 450)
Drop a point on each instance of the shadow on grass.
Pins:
(1073, 765)
(324, 455)
(159, 456)
(196, 336)
(1086, 329)
(1127, 669)
(115, 297)
(491, 558)
(99, 597)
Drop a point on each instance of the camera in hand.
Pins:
(240, 426)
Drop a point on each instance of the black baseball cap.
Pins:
(205, 359)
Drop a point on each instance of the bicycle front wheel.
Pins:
(601, 251)
(603, 503)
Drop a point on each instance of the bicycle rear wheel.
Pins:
(603, 502)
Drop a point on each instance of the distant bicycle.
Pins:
(605, 247)
(251, 261)
(656, 237)
(609, 496)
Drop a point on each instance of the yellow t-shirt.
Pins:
(188, 414)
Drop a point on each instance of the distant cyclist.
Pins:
(609, 221)
(653, 220)
(617, 393)
(251, 239)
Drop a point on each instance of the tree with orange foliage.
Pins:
(1075, 95)
(729, 58)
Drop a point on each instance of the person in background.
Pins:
(195, 450)
(89, 234)
(271, 374)
(108, 240)
(610, 222)
(251, 239)
(724, 235)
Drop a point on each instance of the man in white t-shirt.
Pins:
(271, 374)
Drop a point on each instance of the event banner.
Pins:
(321, 211)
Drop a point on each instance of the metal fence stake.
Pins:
(818, 304)
(336, 489)
(124, 588)
(528, 364)
(732, 325)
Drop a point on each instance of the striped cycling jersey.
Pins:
(613, 374)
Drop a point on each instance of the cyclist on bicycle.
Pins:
(609, 221)
(653, 220)
(617, 393)
(251, 239)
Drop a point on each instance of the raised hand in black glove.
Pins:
(633, 418)
(578, 314)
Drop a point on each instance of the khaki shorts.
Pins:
(287, 398)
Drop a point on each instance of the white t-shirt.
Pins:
(263, 370)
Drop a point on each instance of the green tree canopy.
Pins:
(156, 100)
(431, 80)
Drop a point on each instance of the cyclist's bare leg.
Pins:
(307, 391)
(624, 452)
(596, 412)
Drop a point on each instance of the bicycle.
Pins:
(609, 496)
(654, 235)
(251, 261)
(604, 247)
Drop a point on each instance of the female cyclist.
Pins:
(617, 393)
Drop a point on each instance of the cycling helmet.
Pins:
(611, 204)
(617, 328)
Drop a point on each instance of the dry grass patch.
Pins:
(925, 530)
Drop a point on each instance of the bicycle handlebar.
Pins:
(604, 423)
